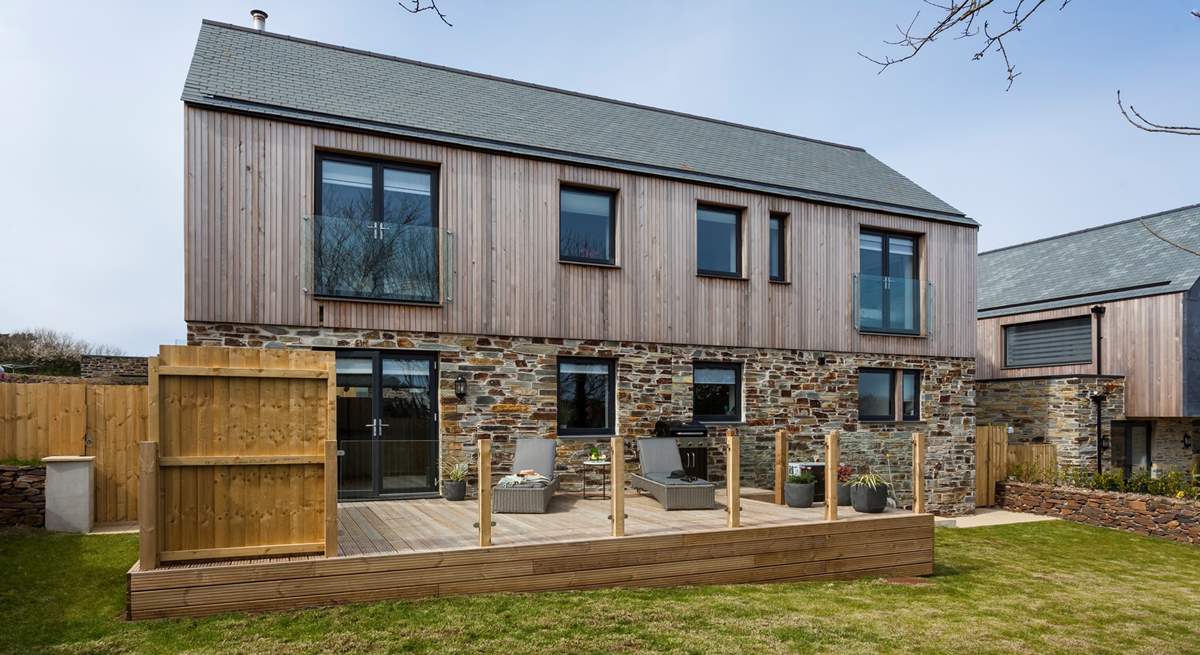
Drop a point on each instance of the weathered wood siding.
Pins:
(1143, 340)
(249, 182)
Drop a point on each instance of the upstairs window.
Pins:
(1048, 343)
(889, 283)
(586, 225)
(718, 241)
(716, 391)
(778, 246)
(586, 396)
(375, 233)
(884, 394)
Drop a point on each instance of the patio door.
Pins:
(386, 424)
(1131, 445)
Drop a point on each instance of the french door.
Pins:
(1131, 445)
(386, 424)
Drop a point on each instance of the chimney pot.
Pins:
(258, 19)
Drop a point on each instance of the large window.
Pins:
(889, 283)
(778, 246)
(586, 225)
(1048, 343)
(375, 233)
(586, 396)
(718, 241)
(716, 391)
(884, 394)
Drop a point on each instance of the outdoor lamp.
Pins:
(460, 387)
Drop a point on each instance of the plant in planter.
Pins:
(798, 490)
(844, 473)
(595, 455)
(454, 477)
(868, 493)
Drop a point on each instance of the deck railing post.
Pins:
(618, 486)
(780, 464)
(331, 506)
(148, 505)
(733, 478)
(832, 457)
(485, 492)
(918, 472)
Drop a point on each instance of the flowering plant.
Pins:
(844, 473)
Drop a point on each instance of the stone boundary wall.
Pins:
(1156, 516)
(512, 381)
(22, 496)
(112, 366)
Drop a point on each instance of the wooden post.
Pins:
(618, 486)
(918, 472)
(780, 464)
(331, 506)
(485, 492)
(733, 478)
(832, 456)
(148, 505)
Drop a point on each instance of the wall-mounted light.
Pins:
(1187, 440)
(821, 359)
(460, 387)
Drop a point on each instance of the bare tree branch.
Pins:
(1140, 122)
(418, 7)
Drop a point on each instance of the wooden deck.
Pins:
(423, 548)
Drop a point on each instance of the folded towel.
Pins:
(523, 481)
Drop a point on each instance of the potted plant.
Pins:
(868, 493)
(798, 490)
(454, 477)
(594, 455)
(843, 484)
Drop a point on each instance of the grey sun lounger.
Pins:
(532, 453)
(659, 456)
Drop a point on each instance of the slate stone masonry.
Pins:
(112, 366)
(22, 496)
(511, 391)
(1157, 516)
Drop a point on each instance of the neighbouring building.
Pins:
(1108, 318)
(497, 258)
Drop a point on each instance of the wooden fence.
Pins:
(1039, 459)
(39, 420)
(239, 458)
(991, 462)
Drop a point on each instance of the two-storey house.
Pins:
(497, 258)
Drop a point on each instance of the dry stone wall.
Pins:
(1157, 516)
(22, 496)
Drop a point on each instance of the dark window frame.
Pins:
(1126, 436)
(611, 194)
(736, 367)
(783, 249)
(891, 415)
(1091, 342)
(739, 214)
(377, 165)
(916, 394)
(611, 430)
(887, 301)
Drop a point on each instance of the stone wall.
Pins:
(22, 496)
(1157, 516)
(1166, 443)
(1055, 410)
(511, 386)
(112, 366)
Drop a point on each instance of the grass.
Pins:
(1034, 588)
(20, 462)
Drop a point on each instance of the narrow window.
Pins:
(876, 401)
(1048, 343)
(778, 246)
(718, 241)
(910, 394)
(586, 396)
(375, 236)
(889, 283)
(586, 225)
(716, 391)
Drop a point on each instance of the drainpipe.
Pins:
(1099, 398)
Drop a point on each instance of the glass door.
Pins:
(386, 424)
(1131, 446)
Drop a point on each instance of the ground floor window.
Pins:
(885, 394)
(586, 396)
(717, 391)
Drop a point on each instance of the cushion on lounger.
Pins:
(666, 479)
(659, 455)
(535, 453)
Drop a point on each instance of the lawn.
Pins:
(1033, 588)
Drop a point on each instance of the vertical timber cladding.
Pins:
(241, 436)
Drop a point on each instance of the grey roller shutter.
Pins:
(1048, 343)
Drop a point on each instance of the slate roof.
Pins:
(244, 70)
(1110, 262)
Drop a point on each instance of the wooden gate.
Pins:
(240, 458)
(991, 462)
(116, 420)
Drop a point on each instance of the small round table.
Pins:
(601, 465)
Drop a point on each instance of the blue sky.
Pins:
(91, 237)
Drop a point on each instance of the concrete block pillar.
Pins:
(69, 493)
